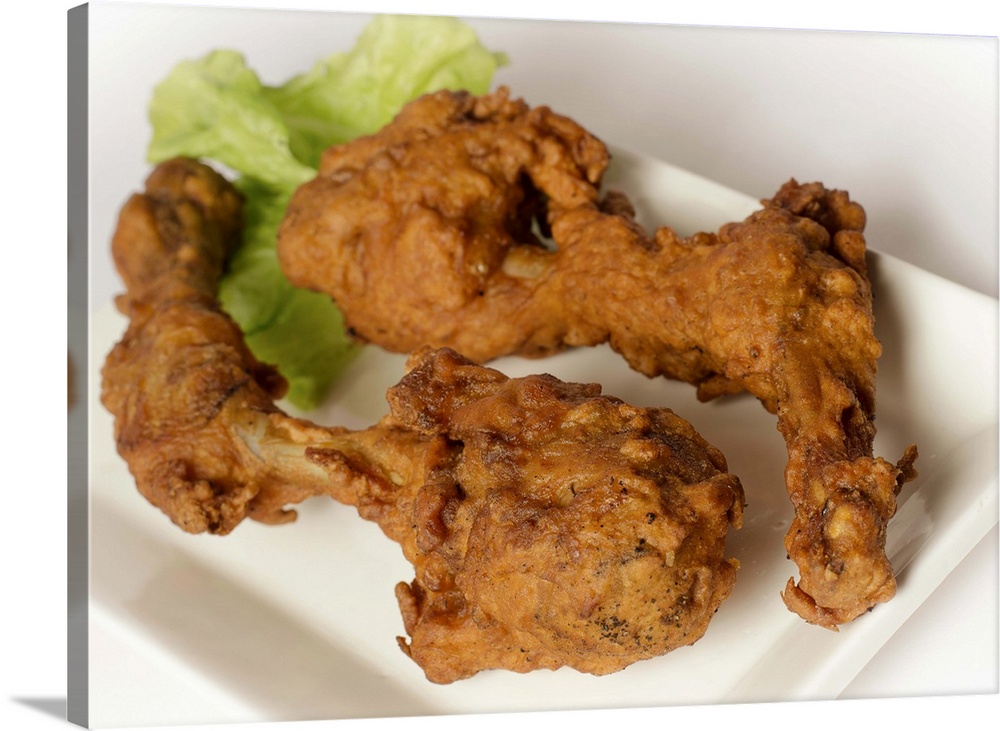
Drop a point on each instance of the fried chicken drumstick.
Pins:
(548, 525)
(432, 232)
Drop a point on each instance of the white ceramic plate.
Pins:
(299, 622)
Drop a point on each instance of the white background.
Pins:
(907, 123)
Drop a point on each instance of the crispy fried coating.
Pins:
(433, 230)
(186, 392)
(478, 224)
(558, 526)
(548, 525)
(778, 305)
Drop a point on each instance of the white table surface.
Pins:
(906, 122)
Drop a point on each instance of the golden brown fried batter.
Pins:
(557, 526)
(548, 525)
(186, 392)
(432, 231)
(427, 233)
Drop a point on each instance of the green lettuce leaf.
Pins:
(271, 138)
(395, 59)
(216, 108)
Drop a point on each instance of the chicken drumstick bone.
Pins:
(548, 525)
